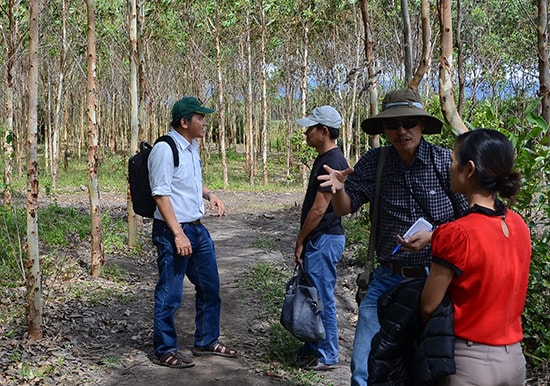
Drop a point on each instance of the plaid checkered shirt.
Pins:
(406, 193)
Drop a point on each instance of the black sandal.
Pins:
(175, 360)
(218, 349)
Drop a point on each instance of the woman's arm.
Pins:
(434, 290)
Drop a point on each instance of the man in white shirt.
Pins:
(183, 243)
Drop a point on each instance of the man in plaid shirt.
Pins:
(415, 183)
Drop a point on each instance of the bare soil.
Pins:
(108, 341)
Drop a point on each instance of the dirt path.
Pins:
(99, 330)
(108, 341)
(251, 217)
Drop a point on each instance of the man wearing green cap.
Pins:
(414, 183)
(184, 245)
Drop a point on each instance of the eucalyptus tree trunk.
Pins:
(133, 218)
(34, 277)
(426, 46)
(289, 124)
(251, 154)
(303, 82)
(353, 79)
(544, 76)
(9, 136)
(446, 69)
(460, 56)
(98, 256)
(407, 40)
(143, 121)
(264, 92)
(59, 98)
(372, 85)
(221, 106)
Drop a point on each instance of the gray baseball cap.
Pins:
(324, 115)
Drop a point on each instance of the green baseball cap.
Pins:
(188, 105)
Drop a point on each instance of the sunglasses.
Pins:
(405, 123)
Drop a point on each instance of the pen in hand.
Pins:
(396, 249)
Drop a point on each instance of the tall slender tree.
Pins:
(251, 152)
(372, 83)
(9, 137)
(446, 96)
(34, 276)
(133, 220)
(544, 75)
(98, 255)
(263, 98)
(221, 101)
(407, 40)
(424, 63)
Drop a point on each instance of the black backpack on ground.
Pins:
(138, 177)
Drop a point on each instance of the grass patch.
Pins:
(266, 245)
(268, 281)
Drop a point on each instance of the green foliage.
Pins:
(12, 228)
(533, 203)
(357, 230)
(115, 234)
(61, 226)
(58, 227)
(238, 175)
(306, 154)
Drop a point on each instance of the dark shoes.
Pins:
(307, 360)
(320, 366)
(218, 349)
(175, 360)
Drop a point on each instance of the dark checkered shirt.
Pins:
(406, 193)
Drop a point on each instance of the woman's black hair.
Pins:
(493, 155)
(176, 122)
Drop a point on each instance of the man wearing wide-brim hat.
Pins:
(414, 183)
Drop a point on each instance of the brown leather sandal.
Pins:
(175, 360)
(217, 349)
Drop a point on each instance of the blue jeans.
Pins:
(202, 270)
(368, 325)
(320, 259)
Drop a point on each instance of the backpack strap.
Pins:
(375, 207)
(170, 141)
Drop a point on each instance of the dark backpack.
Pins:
(138, 177)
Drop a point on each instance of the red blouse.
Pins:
(491, 273)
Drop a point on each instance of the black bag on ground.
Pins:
(301, 312)
(138, 177)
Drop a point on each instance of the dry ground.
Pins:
(108, 341)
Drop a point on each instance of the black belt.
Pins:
(196, 222)
(407, 272)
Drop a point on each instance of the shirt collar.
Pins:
(184, 143)
(500, 209)
(422, 154)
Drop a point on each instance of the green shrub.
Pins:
(533, 203)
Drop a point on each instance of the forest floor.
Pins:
(108, 341)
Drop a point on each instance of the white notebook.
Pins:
(420, 225)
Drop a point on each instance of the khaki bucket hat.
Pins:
(398, 104)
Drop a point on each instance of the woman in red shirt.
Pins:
(482, 260)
